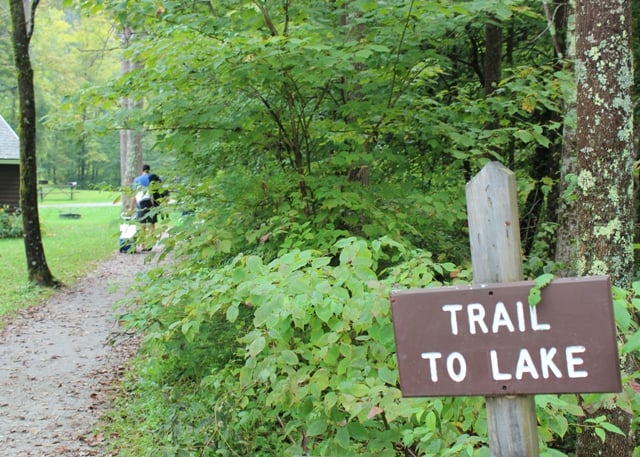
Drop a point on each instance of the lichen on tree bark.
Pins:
(605, 157)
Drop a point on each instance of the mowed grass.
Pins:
(72, 246)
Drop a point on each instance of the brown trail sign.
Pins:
(486, 340)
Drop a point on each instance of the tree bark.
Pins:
(492, 56)
(37, 268)
(605, 139)
(566, 249)
(131, 152)
(604, 205)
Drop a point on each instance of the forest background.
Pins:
(318, 152)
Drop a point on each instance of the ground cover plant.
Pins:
(10, 223)
(72, 246)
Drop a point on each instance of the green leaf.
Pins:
(257, 346)
(232, 313)
(534, 296)
(289, 357)
(388, 376)
(608, 426)
(543, 280)
(359, 390)
(539, 283)
(622, 315)
(342, 437)
(523, 136)
(324, 311)
(225, 246)
(317, 427)
(633, 344)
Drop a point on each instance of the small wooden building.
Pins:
(9, 166)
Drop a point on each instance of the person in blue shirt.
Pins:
(143, 202)
(143, 179)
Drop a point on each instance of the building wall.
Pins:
(9, 185)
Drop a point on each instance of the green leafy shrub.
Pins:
(296, 356)
(314, 370)
(10, 223)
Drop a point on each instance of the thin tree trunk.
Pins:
(37, 267)
(566, 247)
(131, 152)
(604, 205)
(492, 56)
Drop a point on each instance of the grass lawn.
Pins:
(72, 246)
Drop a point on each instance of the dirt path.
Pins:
(56, 365)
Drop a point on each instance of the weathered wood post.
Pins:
(494, 235)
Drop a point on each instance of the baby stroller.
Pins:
(127, 234)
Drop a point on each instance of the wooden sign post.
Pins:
(485, 339)
(494, 235)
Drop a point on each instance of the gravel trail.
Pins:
(57, 365)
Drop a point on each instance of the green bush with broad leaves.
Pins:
(314, 369)
(10, 223)
(296, 356)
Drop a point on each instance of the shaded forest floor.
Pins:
(59, 361)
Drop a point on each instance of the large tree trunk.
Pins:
(604, 205)
(604, 139)
(37, 267)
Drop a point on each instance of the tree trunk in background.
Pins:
(492, 57)
(37, 267)
(604, 205)
(490, 74)
(130, 140)
(566, 247)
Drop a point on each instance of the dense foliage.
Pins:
(320, 152)
(338, 119)
(68, 52)
(296, 357)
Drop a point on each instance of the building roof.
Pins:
(9, 142)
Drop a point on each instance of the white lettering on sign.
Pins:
(572, 361)
(525, 366)
(545, 364)
(462, 367)
(501, 318)
(433, 369)
(453, 309)
(476, 313)
(456, 365)
(504, 364)
(495, 370)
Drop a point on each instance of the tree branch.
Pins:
(32, 19)
(267, 17)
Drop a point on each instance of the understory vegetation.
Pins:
(10, 224)
(295, 356)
